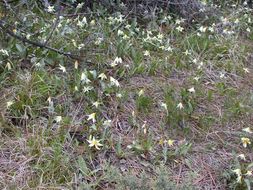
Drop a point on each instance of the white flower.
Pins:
(92, 117)
(202, 29)
(76, 64)
(84, 78)
(119, 95)
(96, 104)
(4, 52)
(94, 142)
(76, 88)
(79, 5)
(8, 65)
(187, 52)
(179, 28)
(141, 92)
(249, 173)
(87, 88)
(114, 82)
(50, 9)
(116, 61)
(164, 105)
(238, 172)
(180, 106)
(248, 29)
(120, 33)
(248, 130)
(196, 78)
(62, 68)
(92, 23)
(246, 70)
(58, 119)
(102, 76)
(146, 53)
(107, 123)
(242, 156)
(192, 90)
(9, 103)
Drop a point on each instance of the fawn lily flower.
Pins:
(114, 82)
(192, 90)
(58, 119)
(146, 53)
(180, 106)
(107, 123)
(238, 172)
(50, 9)
(102, 76)
(93, 142)
(62, 68)
(242, 156)
(246, 70)
(92, 117)
(171, 142)
(249, 173)
(85, 78)
(87, 88)
(76, 64)
(248, 130)
(9, 103)
(245, 141)
(96, 104)
(141, 92)
(180, 28)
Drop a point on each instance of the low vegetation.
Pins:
(102, 101)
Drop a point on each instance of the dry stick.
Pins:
(55, 23)
(38, 44)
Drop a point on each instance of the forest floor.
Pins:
(161, 106)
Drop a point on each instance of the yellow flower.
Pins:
(94, 142)
(171, 142)
(92, 117)
(245, 141)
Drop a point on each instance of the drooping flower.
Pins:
(114, 82)
(102, 76)
(238, 172)
(180, 106)
(62, 68)
(245, 141)
(92, 117)
(248, 130)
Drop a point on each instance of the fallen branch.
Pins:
(38, 44)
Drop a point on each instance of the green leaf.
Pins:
(20, 48)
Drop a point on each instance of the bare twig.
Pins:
(38, 44)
